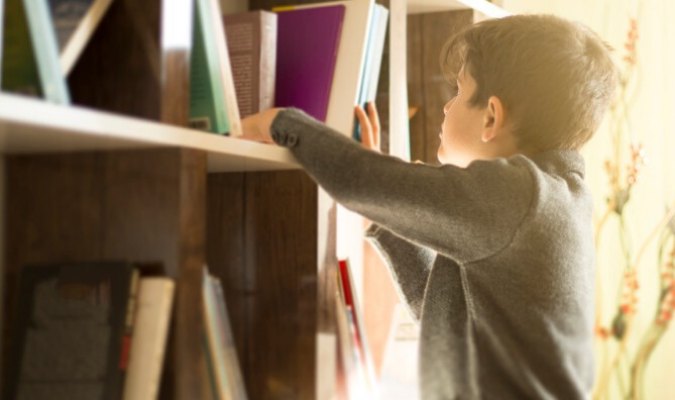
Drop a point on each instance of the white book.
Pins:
(216, 342)
(379, 34)
(148, 343)
(373, 62)
(231, 105)
(344, 94)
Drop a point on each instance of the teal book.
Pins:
(31, 59)
(377, 33)
(207, 100)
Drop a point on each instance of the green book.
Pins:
(207, 100)
(30, 64)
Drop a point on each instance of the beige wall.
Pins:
(652, 108)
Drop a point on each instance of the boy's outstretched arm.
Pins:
(464, 213)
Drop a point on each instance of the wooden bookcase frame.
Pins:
(78, 184)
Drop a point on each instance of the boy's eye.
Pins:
(454, 90)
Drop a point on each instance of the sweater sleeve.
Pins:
(408, 263)
(464, 213)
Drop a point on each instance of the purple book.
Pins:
(307, 47)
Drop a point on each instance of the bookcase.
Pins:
(79, 184)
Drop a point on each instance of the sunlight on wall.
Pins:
(651, 106)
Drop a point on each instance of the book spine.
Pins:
(129, 321)
(234, 369)
(218, 34)
(214, 336)
(43, 38)
(268, 59)
(160, 344)
(152, 316)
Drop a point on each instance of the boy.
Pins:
(492, 251)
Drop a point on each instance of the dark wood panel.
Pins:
(427, 88)
(189, 363)
(225, 250)
(130, 67)
(280, 243)
(262, 243)
(140, 206)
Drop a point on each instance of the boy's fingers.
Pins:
(375, 125)
(374, 117)
(366, 129)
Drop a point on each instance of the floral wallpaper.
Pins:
(630, 167)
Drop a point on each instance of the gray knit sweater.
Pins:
(495, 260)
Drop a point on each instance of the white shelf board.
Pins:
(30, 126)
(483, 6)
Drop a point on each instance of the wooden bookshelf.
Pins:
(484, 7)
(68, 129)
(81, 184)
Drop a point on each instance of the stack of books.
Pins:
(99, 331)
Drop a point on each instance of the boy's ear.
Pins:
(493, 121)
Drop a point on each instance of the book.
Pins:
(252, 44)
(307, 49)
(207, 95)
(371, 69)
(349, 62)
(212, 84)
(75, 22)
(30, 64)
(148, 345)
(350, 362)
(352, 306)
(72, 332)
(223, 364)
(218, 31)
(234, 370)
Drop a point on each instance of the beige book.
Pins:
(148, 343)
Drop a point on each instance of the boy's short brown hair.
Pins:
(555, 77)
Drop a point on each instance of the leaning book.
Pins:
(213, 101)
(148, 346)
(72, 332)
(226, 380)
(30, 65)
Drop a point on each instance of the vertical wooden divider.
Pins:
(140, 206)
(263, 242)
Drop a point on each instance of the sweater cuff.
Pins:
(284, 126)
(374, 231)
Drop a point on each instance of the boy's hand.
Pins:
(370, 126)
(256, 127)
